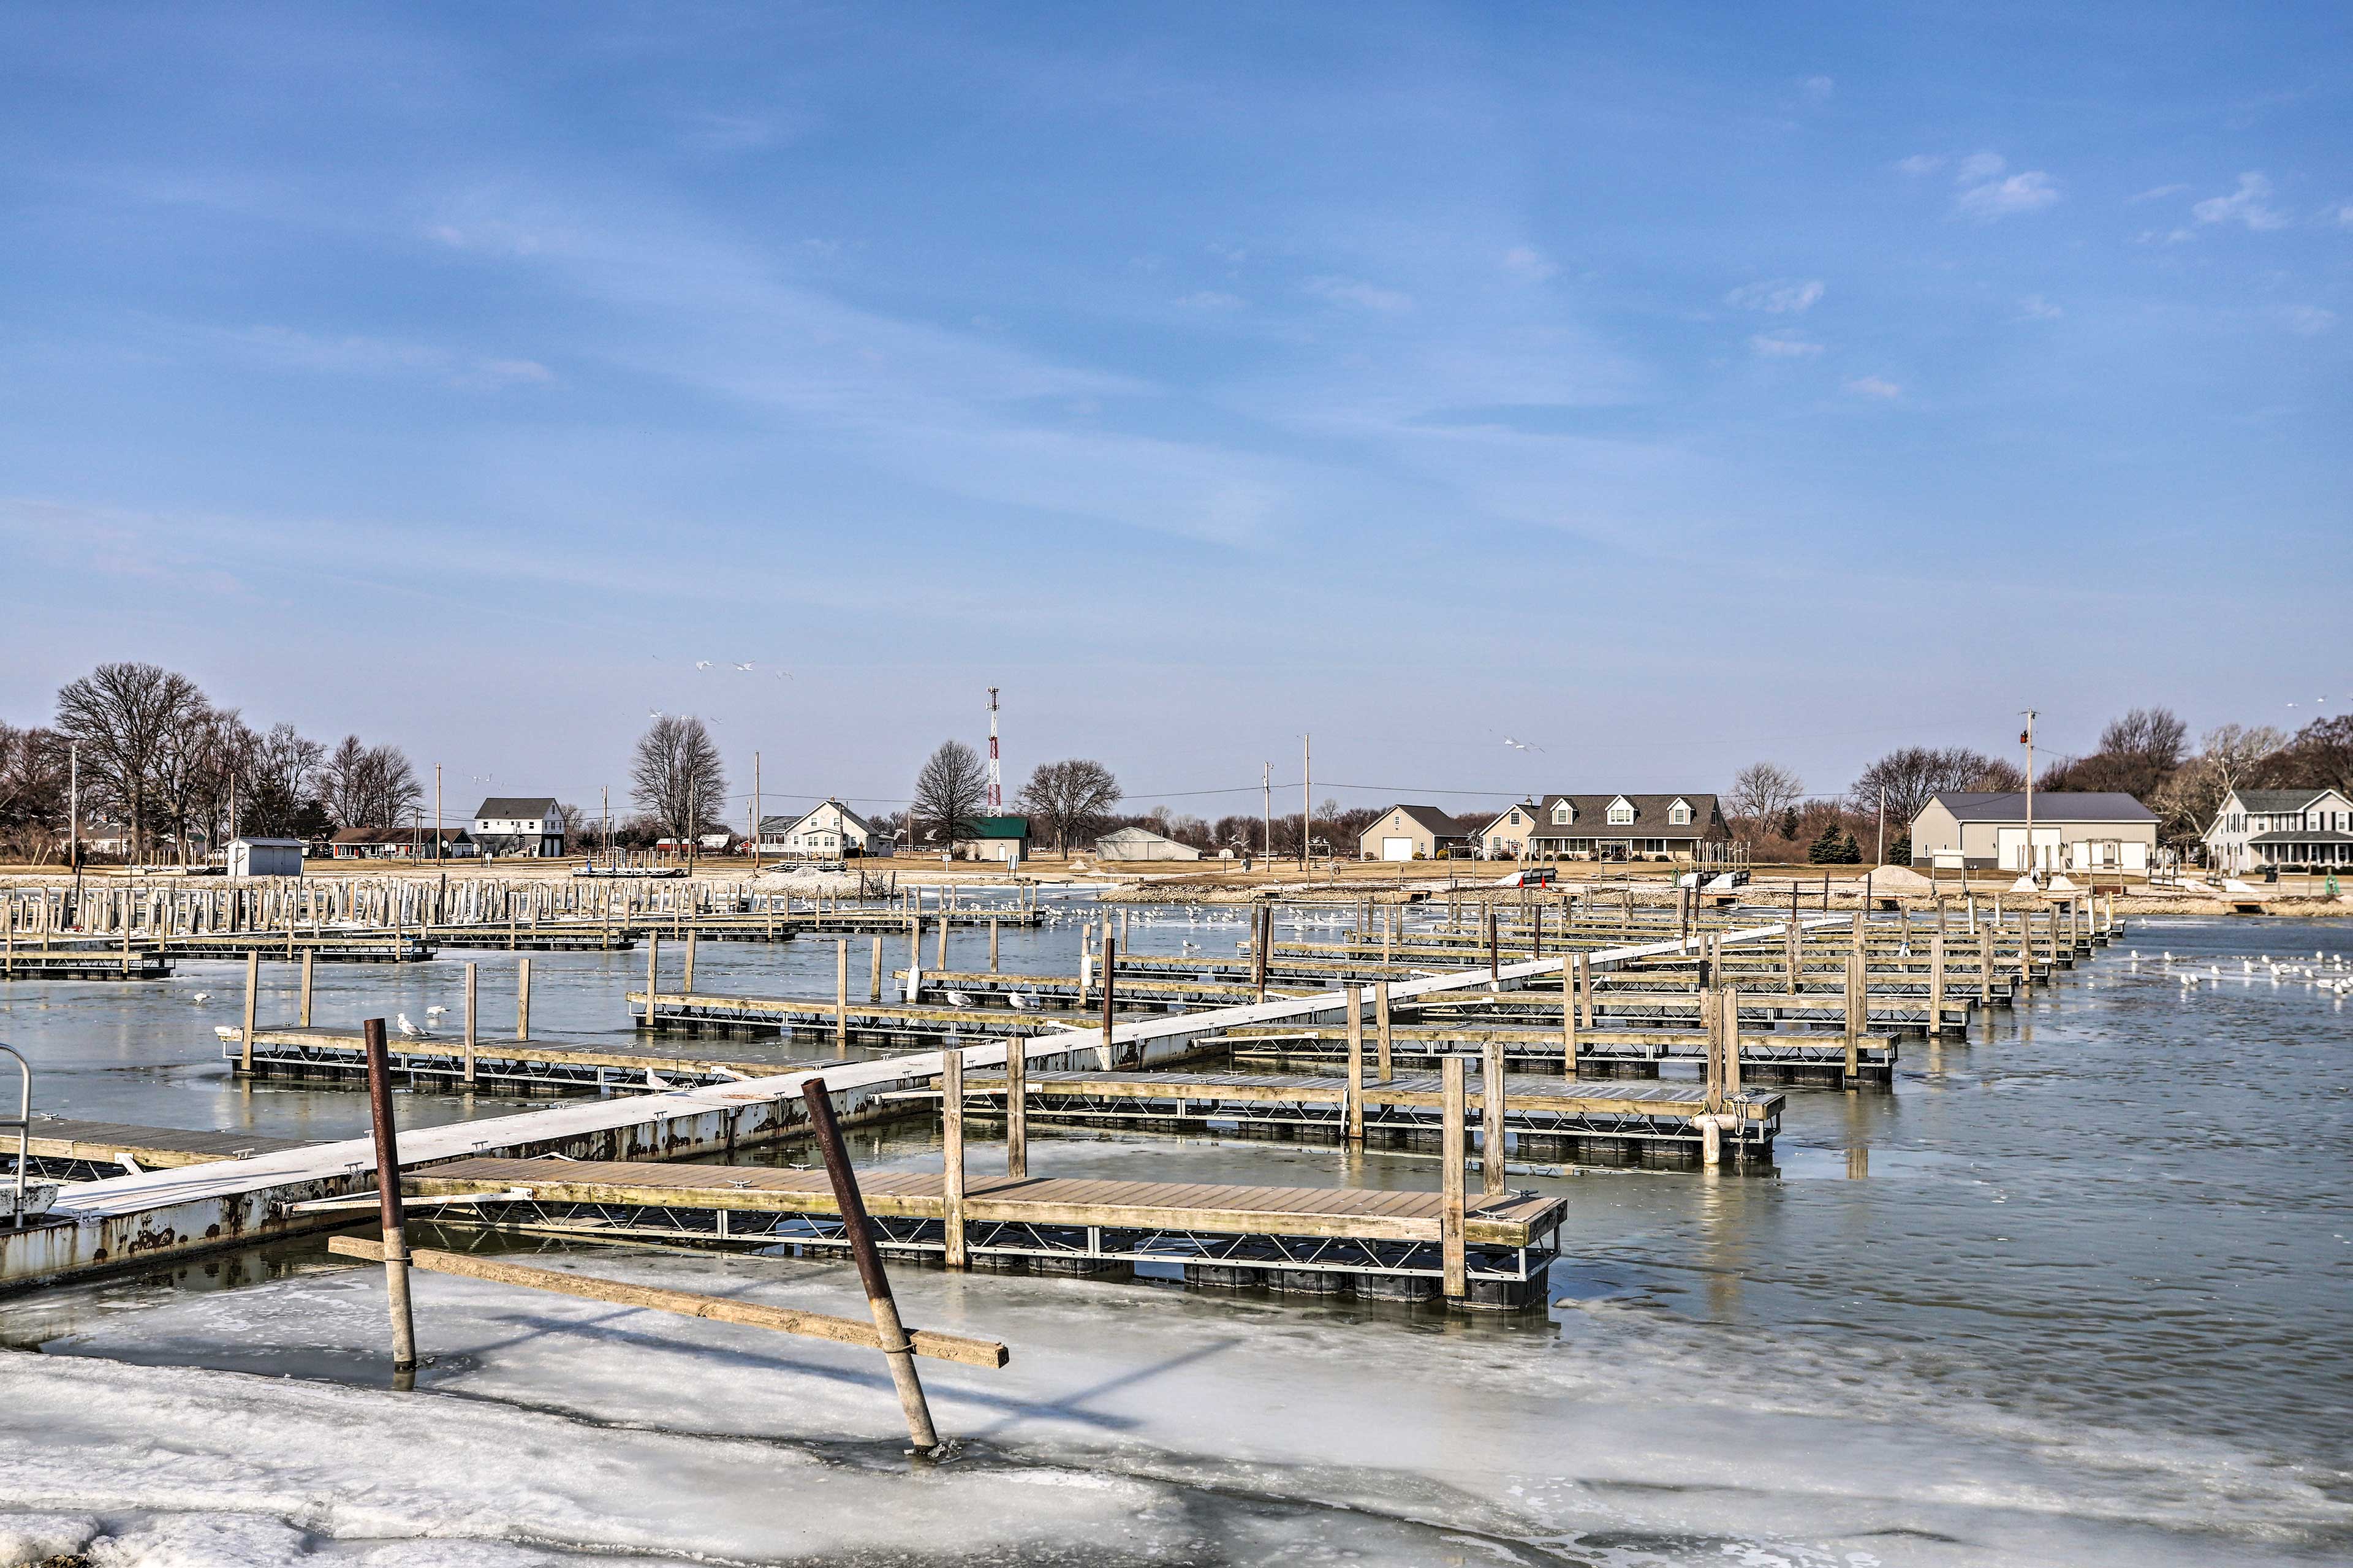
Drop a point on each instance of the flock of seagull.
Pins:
(2325, 972)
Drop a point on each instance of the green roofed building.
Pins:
(995, 838)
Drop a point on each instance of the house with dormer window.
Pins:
(519, 824)
(1628, 828)
(2260, 827)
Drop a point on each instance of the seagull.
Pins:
(743, 667)
(959, 999)
(411, 1030)
(653, 713)
(435, 1012)
(1022, 1001)
(1520, 745)
(202, 996)
(655, 1080)
(702, 664)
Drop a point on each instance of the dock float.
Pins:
(62, 1150)
(1310, 1240)
(440, 1062)
(1549, 1120)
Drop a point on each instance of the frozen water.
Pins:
(2087, 1306)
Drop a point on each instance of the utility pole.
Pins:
(73, 810)
(755, 810)
(232, 811)
(1881, 857)
(604, 793)
(1266, 842)
(437, 813)
(1306, 795)
(2027, 740)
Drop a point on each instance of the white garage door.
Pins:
(1396, 848)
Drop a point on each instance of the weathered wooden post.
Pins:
(952, 1155)
(1728, 1009)
(874, 970)
(1381, 1036)
(1937, 981)
(653, 970)
(522, 1000)
(1856, 1011)
(1494, 959)
(1452, 1219)
(469, 1026)
(1585, 990)
(992, 946)
(1568, 1015)
(940, 957)
(893, 1334)
(252, 1006)
(388, 1184)
(1491, 1119)
(841, 992)
(1353, 1109)
(1262, 938)
(686, 983)
(308, 954)
(1017, 1108)
(1110, 965)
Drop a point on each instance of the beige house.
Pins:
(1413, 833)
(1506, 838)
(828, 831)
(2074, 830)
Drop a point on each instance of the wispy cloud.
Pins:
(1355, 292)
(359, 355)
(1783, 345)
(1210, 299)
(1874, 386)
(1818, 89)
(2035, 307)
(1996, 196)
(1527, 262)
(2248, 205)
(2309, 320)
(1778, 296)
(2156, 194)
(1921, 164)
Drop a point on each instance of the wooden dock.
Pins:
(442, 1062)
(69, 1151)
(1318, 1240)
(1773, 1057)
(1549, 1119)
(696, 1012)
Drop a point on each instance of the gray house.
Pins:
(1624, 827)
(1141, 843)
(2074, 830)
(2259, 827)
(519, 824)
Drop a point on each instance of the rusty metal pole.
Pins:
(887, 1327)
(387, 1182)
(1262, 935)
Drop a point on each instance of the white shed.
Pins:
(1142, 844)
(265, 856)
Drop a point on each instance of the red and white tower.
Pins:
(996, 778)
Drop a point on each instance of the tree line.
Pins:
(173, 772)
(2146, 753)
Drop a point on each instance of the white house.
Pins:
(519, 824)
(829, 832)
(265, 856)
(2074, 830)
(1622, 827)
(2259, 827)
(1141, 843)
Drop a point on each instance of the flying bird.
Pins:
(702, 664)
(743, 667)
(1520, 745)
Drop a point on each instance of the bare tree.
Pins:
(1763, 791)
(32, 791)
(123, 716)
(2136, 754)
(277, 780)
(2320, 757)
(1069, 796)
(1910, 775)
(369, 786)
(949, 789)
(677, 779)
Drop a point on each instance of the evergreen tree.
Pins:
(1825, 851)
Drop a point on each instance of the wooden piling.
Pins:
(687, 983)
(1382, 1028)
(653, 960)
(992, 945)
(387, 1182)
(893, 1334)
(252, 1004)
(1355, 1089)
(952, 1155)
(1451, 1218)
(1111, 964)
(1491, 1119)
(523, 999)
(841, 992)
(874, 972)
(1017, 1108)
(308, 954)
(1569, 1017)
(471, 979)
(1937, 980)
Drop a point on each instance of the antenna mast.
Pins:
(995, 779)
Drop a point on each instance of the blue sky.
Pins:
(1666, 388)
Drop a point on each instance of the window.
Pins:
(1621, 812)
(1516, 819)
(1680, 814)
(1563, 813)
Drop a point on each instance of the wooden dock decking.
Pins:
(535, 1063)
(1331, 1232)
(66, 1150)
